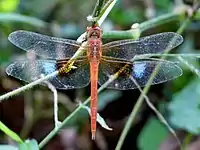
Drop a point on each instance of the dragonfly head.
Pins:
(94, 32)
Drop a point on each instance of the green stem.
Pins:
(128, 34)
(10, 17)
(105, 11)
(56, 130)
(160, 20)
(133, 33)
(97, 9)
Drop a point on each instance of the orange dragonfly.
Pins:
(101, 60)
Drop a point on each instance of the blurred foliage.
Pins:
(184, 108)
(8, 147)
(148, 140)
(8, 5)
(67, 19)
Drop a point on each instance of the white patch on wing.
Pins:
(49, 67)
(139, 70)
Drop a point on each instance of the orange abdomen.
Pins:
(94, 55)
(94, 95)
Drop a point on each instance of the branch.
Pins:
(97, 8)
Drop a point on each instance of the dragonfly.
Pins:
(97, 63)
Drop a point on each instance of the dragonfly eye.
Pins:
(94, 34)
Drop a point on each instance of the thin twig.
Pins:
(159, 115)
(55, 103)
(191, 67)
(28, 86)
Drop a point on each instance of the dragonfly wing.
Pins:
(32, 70)
(42, 45)
(127, 49)
(139, 71)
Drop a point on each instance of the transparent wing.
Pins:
(140, 71)
(42, 45)
(127, 49)
(29, 71)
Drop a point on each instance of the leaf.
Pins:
(104, 98)
(10, 133)
(184, 108)
(100, 120)
(23, 146)
(32, 144)
(8, 147)
(148, 139)
(8, 5)
(29, 145)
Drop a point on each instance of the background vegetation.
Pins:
(30, 114)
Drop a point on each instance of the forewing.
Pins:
(127, 49)
(139, 71)
(32, 70)
(42, 45)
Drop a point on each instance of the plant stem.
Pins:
(105, 11)
(22, 18)
(56, 130)
(28, 86)
(117, 35)
(97, 9)
(160, 20)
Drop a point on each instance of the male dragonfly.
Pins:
(96, 64)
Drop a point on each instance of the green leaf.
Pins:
(8, 147)
(32, 144)
(100, 120)
(8, 5)
(29, 145)
(184, 108)
(148, 138)
(23, 146)
(10, 133)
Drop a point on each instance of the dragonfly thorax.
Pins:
(94, 35)
(94, 50)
